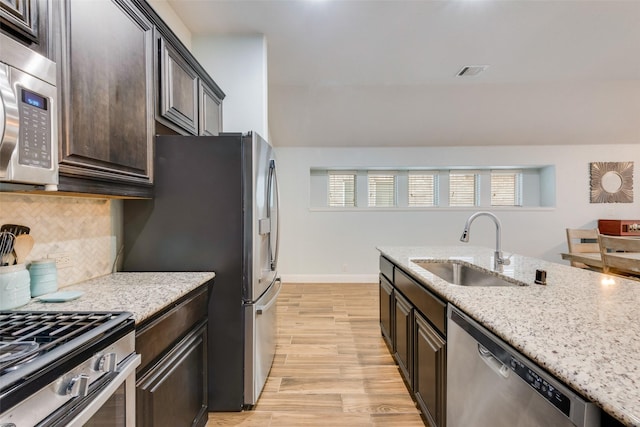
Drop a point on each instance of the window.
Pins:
(423, 189)
(342, 189)
(382, 189)
(506, 188)
(463, 189)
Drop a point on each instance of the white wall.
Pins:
(238, 64)
(323, 245)
(169, 16)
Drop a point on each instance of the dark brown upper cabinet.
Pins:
(26, 21)
(178, 90)
(210, 111)
(106, 97)
(21, 16)
(189, 102)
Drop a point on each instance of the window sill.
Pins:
(440, 209)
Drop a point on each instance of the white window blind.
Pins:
(382, 190)
(423, 189)
(506, 188)
(463, 189)
(342, 189)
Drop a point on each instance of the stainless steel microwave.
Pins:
(28, 116)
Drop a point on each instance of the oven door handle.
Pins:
(124, 372)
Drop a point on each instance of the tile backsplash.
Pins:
(85, 229)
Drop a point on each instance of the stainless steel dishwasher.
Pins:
(489, 384)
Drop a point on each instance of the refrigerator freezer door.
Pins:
(260, 342)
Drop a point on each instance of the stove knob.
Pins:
(106, 363)
(77, 386)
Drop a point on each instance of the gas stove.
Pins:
(54, 365)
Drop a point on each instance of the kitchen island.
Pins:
(582, 327)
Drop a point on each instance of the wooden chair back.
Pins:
(575, 237)
(609, 245)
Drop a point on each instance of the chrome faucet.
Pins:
(498, 259)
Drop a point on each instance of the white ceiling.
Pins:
(383, 72)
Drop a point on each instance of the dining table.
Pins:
(591, 259)
(594, 260)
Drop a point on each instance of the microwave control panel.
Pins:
(34, 139)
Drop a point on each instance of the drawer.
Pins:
(155, 337)
(386, 268)
(432, 307)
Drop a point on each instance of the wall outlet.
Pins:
(63, 260)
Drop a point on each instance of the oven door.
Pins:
(110, 401)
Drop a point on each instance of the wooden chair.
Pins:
(575, 237)
(612, 259)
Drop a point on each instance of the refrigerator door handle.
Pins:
(273, 184)
(265, 307)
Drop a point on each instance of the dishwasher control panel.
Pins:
(542, 386)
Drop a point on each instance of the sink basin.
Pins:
(460, 274)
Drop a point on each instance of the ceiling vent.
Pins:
(471, 70)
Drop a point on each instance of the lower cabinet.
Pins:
(386, 301)
(171, 381)
(403, 337)
(416, 328)
(173, 392)
(429, 371)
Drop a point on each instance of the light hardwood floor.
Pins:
(332, 367)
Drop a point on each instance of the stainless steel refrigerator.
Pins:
(215, 208)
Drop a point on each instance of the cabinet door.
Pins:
(174, 392)
(430, 368)
(20, 16)
(106, 92)
(27, 21)
(402, 336)
(210, 111)
(178, 90)
(386, 310)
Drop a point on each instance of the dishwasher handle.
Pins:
(492, 362)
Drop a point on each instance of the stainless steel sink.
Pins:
(460, 274)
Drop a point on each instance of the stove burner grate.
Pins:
(45, 330)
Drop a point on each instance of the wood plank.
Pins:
(332, 366)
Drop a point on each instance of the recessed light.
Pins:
(471, 70)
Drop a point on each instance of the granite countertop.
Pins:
(583, 327)
(142, 294)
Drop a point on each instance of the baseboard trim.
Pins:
(329, 278)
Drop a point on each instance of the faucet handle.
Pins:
(507, 260)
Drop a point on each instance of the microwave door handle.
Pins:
(8, 120)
